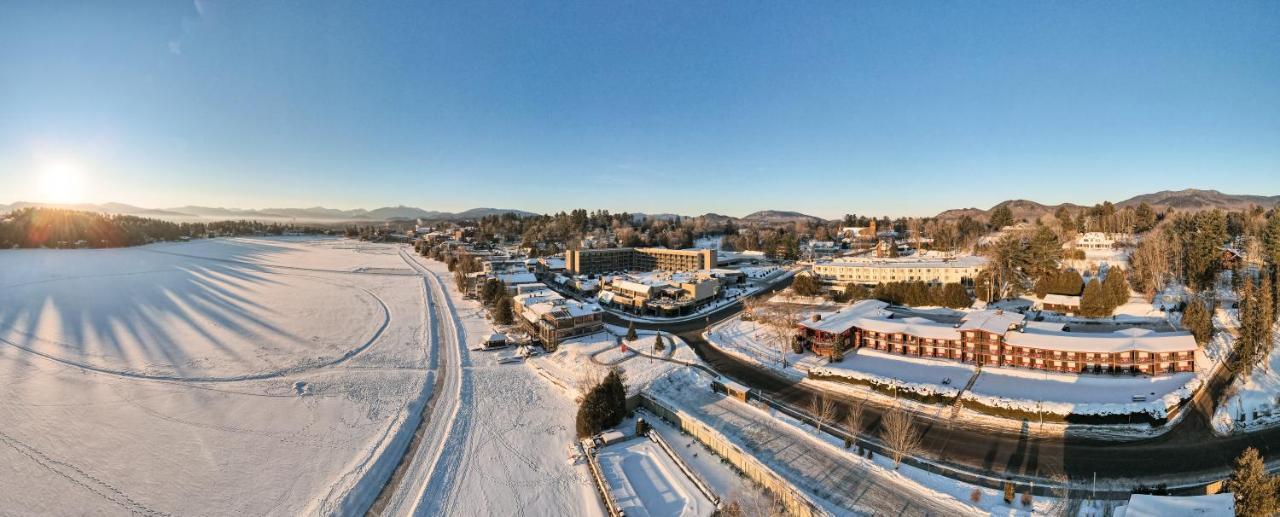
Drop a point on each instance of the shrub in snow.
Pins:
(976, 495)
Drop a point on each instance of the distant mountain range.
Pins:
(779, 216)
(313, 214)
(1022, 209)
(1187, 200)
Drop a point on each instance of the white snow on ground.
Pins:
(1255, 400)
(507, 449)
(646, 482)
(710, 242)
(574, 358)
(755, 342)
(916, 374)
(231, 376)
(719, 476)
(1085, 394)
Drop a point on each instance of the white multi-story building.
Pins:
(872, 271)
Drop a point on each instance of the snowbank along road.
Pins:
(429, 465)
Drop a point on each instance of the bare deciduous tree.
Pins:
(853, 418)
(823, 410)
(755, 501)
(781, 322)
(898, 430)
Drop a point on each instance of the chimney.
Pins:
(817, 317)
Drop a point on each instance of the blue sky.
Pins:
(899, 108)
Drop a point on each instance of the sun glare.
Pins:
(61, 182)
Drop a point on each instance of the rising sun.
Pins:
(61, 182)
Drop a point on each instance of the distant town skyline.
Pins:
(664, 107)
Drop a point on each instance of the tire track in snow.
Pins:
(78, 476)
(407, 497)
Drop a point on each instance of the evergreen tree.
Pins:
(604, 406)
(954, 296)
(502, 312)
(1202, 248)
(1247, 344)
(1255, 490)
(1144, 218)
(658, 346)
(492, 291)
(631, 332)
(1001, 217)
(837, 351)
(1266, 319)
(1271, 240)
(1197, 319)
(1093, 303)
(806, 285)
(1116, 288)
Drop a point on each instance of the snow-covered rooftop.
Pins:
(840, 321)
(1139, 339)
(516, 278)
(915, 326)
(1061, 299)
(994, 321)
(964, 261)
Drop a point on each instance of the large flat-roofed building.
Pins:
(661, 293)
(553, 318)
(872, 271)
(999, 338)
(592, 261)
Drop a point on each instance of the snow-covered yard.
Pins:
(915, 374)
(646, 482)
(592, 356)
(239, 376)
(1083, 394)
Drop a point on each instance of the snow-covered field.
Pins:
(646, 482)
(227, 376)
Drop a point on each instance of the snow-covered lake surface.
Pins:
(227, 376)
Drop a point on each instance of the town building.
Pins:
(872, 271)
(664, 294)
(1097, 240)
(552, 318)
(1061, 303)
(607, 260)
(999, 338)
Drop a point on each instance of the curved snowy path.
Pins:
(431, 462)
